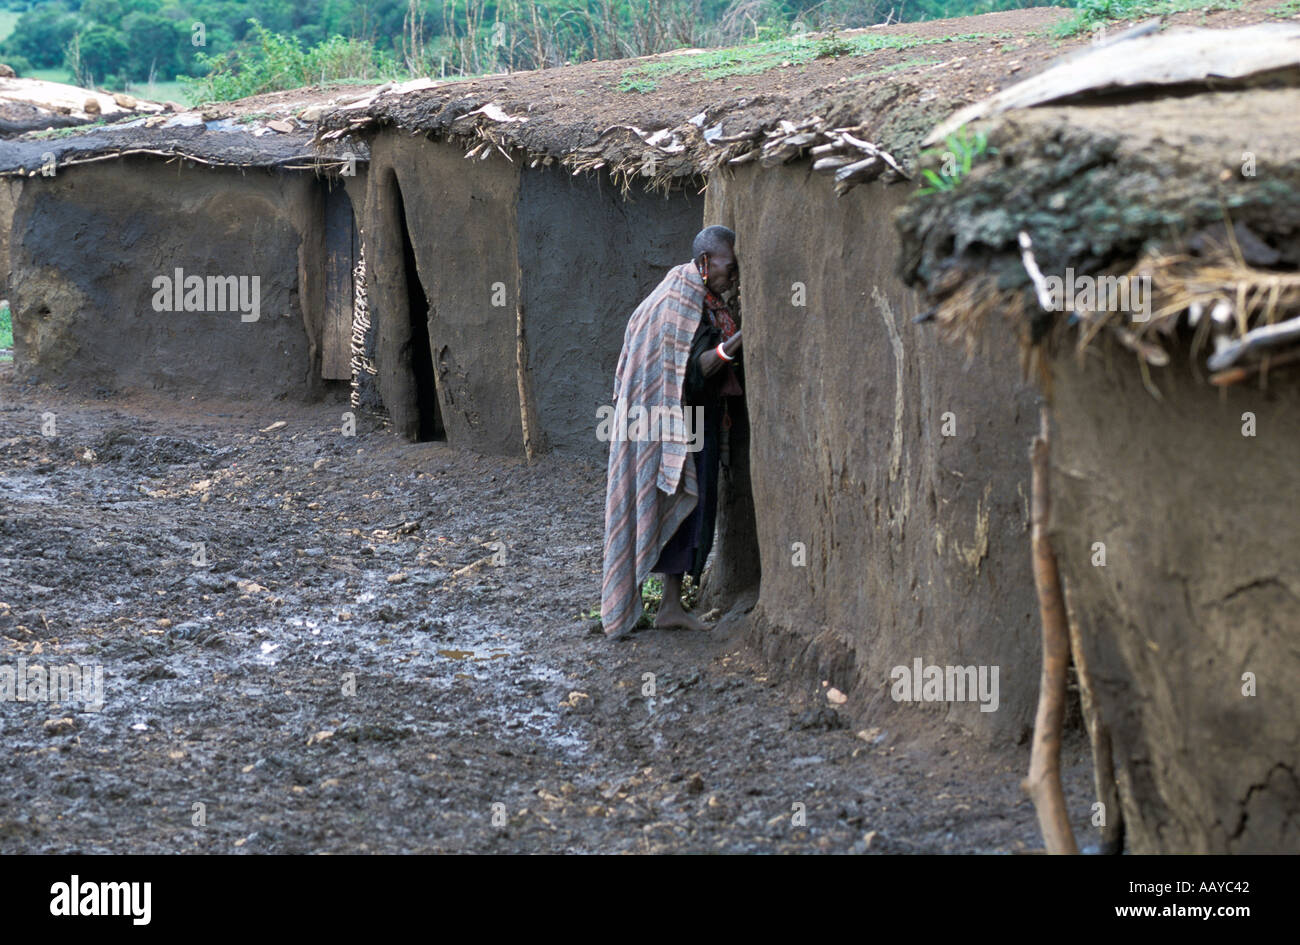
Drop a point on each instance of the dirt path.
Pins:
(334, 561)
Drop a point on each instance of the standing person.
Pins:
(680, 360)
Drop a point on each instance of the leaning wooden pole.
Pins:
(1043, 783)
(521, 378)
(528, 421)
(1103, 762)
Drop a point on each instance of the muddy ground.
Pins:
(227, 684)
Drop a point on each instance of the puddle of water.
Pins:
(305, 623)
(28, 489)
(482, 655)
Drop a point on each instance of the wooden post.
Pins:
(521, 379)
(528, 419)
(1103, 762)
(1043, 783)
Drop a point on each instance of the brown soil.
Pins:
(328, 556)
(898, 94)
(568, 108)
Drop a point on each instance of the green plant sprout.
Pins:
(956, 161)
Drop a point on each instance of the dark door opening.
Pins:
(426, 385)
(342, 248)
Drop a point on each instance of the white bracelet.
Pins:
(723, 355)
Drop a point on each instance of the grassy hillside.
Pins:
(6, 333)
(8, 19)
(155, 92)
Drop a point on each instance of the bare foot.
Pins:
(677, 617)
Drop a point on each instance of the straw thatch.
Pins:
(216, 142)
(658, 160)
(1190, 201)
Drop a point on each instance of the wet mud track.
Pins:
(380, 649)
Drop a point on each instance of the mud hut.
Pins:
(210, 253)
(499, 285)
(514, 189)
(884, 520)
(888, 479)
(1135, 221)
(36, 105)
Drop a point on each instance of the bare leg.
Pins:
(671, 611)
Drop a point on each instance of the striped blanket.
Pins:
(651, 489)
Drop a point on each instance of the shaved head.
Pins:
(713, 240)
(715, 257)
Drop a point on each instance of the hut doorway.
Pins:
(399, 310)
(426, 386)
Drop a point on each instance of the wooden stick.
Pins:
(834, 162)
(1238, 374)
(527, 418)
(864, 170)
(471, 567)
(1043, 783)
(1045, 300)
(1262, 337)
(1103, 762)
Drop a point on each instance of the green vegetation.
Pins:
(74, 130)
(652, 595)
(833, 46)
(276, 62)
(896, 67)
(8, 20)
(228, 48)
(6, 332)
(956, 162)
(158, 91)
(760, 57)
(629, 83)
(1091, 14)
(50, 75)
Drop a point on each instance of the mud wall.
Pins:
(460, 217)
(881, 540)
(502, 251)
(87, 244)
(10, 190)
(588, 256)
(1200, 584)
